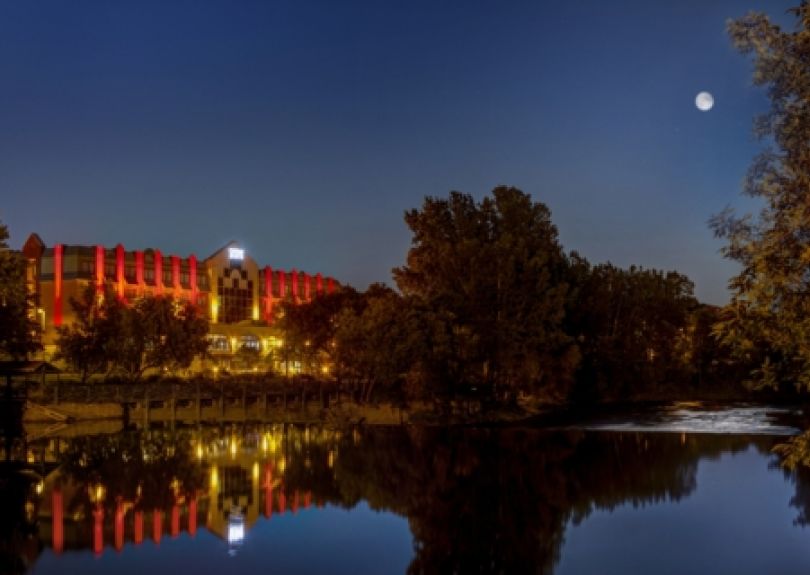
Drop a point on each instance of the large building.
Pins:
(238, 296)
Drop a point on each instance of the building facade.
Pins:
(239, 297)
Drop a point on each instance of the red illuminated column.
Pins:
(119, 270)
(100, 270)
(176, 275)
(294, 285)
(139, 271)
(138, 527)
(295, 502)
(158, 272)
(307, 499)
(282, 289)
(157, 526)
(307, 295)
(268, 294)
(119, 526)
(330, 285)
(192, 273)
(98, 529)
(57, 519)
(175, 520)
(57, 284)
(319, 284)
(192, 517)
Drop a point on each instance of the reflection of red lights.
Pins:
(98, 529)
(192, 517)
(175, 521)
(57, 518)
(157, 526)
(282, 502)
(138, 527)
(119, 526)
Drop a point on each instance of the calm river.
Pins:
(681, 492)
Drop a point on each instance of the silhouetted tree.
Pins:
(488, 279)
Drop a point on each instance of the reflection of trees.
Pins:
(147, 470)
(499, 501)
(477, 500)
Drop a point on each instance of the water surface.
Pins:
(288, 499)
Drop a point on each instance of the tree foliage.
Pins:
(487, 279)
(633, 327)
(768, 319)
(18, 331)
(109, 336)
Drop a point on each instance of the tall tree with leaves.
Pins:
(489, 280)
(18, 331)
(768, 319)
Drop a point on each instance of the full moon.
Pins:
(704, 101)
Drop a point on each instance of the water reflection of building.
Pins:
(245, 476)
(238, 296)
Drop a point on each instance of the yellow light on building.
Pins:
(214, 309)
(214, 478)
(39, 488)
(199, 451)
(255, 313)
(256, 471)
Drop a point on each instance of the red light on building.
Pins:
(57, 285)
(294, 285)
(119, 270)
(139, 270)
(268, 294)
(192, 273)
(330, 285)
(100, 270)
(176, 274)
(319, 284)
(282, 289)
(307, 295)
(158, 272)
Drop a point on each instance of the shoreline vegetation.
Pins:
(242, 400)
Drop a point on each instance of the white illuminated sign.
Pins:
(236, 253)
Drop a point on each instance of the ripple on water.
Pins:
(736, 420)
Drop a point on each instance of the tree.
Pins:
(155, 332)
(768, 318)
(488, 280)
(377, 341)
(18, 331)
(89, 344)
(633, 329)
(160, 332)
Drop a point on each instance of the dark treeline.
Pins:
(490, 308)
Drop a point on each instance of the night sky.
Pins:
(305, 129)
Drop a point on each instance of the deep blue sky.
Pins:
(306, 129)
